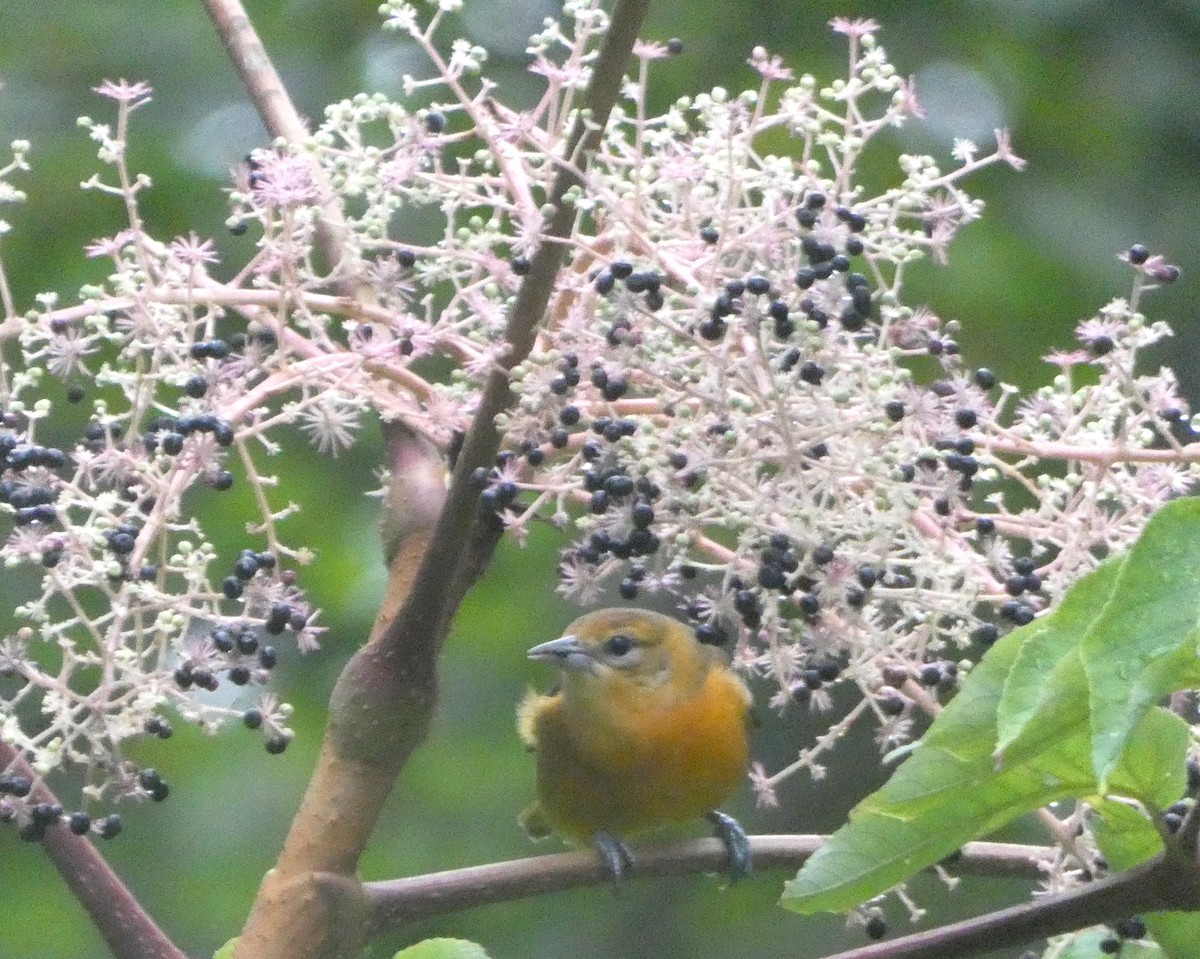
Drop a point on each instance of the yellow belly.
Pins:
(654, 769)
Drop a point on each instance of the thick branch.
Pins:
(250, 58)
(398, 901)
(312, 897)
(127, 929)
(381, 705)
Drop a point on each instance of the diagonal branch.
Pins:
(262, 80)
(125, 926)
(427, 610)
(311, 905)
(275, 108)
(1169, 881)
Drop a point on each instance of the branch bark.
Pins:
(311, 906)
(125, 926)
(1168, 882)
(398, 901)
(275, 108)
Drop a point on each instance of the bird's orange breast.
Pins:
(644, 762)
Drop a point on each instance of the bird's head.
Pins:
(630, 649)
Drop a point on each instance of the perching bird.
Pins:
(647, 729)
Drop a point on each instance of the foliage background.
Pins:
(1101, 97)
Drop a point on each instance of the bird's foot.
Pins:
(734, 838)
(618, 860)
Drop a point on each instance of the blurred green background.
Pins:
(1103, 100)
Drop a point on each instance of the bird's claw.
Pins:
(734, 838)
(618, 860)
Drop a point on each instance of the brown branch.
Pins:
(428, 608)
(275, 109)
(127, 929)
(1103, 455)
(262, 80)
(1170, 881)
(311, 904)
(398, 901)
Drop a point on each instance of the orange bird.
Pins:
(648, 728)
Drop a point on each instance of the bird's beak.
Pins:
(566, 652)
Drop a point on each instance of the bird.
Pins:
(647, 728)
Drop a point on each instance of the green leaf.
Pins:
(1153, 767)
(425, 949)
(1144, 647)
(1124, 636)
(1049, 648)
(940, 799)
(1177, 933)
(443, 949)
(1125, 835)
(946, 792)
(1066, 734)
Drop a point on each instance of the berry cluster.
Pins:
(729, 401)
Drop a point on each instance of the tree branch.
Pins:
(1170, 881)
(398, 901)
(428, 608)
(250, 57)
(126, 927)
(381, 705)
(275, 108)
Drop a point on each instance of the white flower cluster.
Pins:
(723, 401)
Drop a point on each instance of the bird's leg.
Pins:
(616, 855)
(733, 837)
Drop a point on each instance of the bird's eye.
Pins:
(618, 645)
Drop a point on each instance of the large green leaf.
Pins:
(1043, 678)
(931, 805)
(940, 799)
(1144, 647)
(1123, 637)
(1064, 734)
